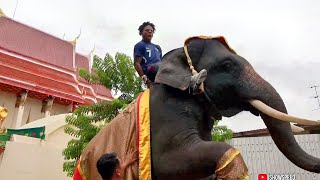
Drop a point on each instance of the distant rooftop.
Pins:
(265, 132)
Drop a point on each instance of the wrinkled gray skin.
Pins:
(180, 122)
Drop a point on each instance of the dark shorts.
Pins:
(151, 71)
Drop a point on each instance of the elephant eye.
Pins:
(226, 65)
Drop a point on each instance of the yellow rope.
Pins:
(193, 71)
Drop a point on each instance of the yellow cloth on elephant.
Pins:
(144, 147)
(127, 132)
(232, 166)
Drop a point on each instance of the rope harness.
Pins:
(231, 165)
(213, 107)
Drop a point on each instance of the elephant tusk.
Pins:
(296, 129)
(280, 115)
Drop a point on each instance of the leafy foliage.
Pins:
(116, 74)
(221, 133)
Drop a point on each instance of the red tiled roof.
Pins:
(10, 89)
(89, 89)
(43, 65)
(7, 60)
(252, 133)
(23, 74)
(62, 85)
(22, 39)
(101, 90)
(82, 62)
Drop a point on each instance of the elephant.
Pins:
(181, 121)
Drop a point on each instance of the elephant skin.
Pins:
(181, 123)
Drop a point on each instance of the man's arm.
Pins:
(138, 54)
(128, 160)
(137, 65)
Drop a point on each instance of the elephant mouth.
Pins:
(233, 109)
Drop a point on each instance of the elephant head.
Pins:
(180, 120)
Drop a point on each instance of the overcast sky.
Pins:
(281, 39)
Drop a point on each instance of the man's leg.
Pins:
(152, 71)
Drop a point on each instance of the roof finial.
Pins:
(1, 13)
(94, 47)
(74, 42)
(15, 9)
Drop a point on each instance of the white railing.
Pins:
(263, 157)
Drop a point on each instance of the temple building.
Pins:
(39, 74)
(39, 87)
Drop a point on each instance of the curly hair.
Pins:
(143, 25)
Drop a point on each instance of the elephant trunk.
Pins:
(280, 131)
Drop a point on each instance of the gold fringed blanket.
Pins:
(129, 130)
(232, 166)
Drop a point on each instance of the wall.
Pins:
(262, 156)
(32, 161)
(32, 109)
(35, 159)
(58, 109)
(60, 138)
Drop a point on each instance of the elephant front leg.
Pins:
(201, 160)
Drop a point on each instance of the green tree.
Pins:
(221, 133)
(117, 74)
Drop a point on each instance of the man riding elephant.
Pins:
(147, 58)
(181, 123)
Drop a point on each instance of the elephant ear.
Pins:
(174, 69)
(177, 66)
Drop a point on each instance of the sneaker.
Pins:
(197, 79)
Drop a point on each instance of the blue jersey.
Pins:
(150, 53)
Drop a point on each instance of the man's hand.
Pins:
(146, 81)
(129, 159)
(144, 78)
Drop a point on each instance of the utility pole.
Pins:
(317, 96)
